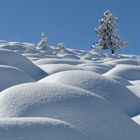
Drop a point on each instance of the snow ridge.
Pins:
(47, 93)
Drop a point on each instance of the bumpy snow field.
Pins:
(70, 95)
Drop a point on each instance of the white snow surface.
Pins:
(57, 61)
(121, 80)
(74, 95)
(94, 117)
(129, 72)
(135, 89)
(14, 59)
(128, 61)
(37, 128)
(54, 68)
(107, 88)
(10, 76)
(136, 119)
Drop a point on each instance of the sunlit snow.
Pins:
(48, 94)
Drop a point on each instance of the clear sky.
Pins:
(68, 21)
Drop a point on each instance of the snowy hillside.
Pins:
(47, 94)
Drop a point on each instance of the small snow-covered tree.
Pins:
(61, 47)
(43, 44)
(107, 33)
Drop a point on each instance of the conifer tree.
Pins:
(61, 47)
(107, 33)
(43, 44)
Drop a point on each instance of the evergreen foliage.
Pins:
(107, 33)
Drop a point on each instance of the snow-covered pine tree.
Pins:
(107, 33)
(61, 47)
(43, 44)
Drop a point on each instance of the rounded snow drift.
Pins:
(37, 129)
(91, 55)
(57, 61)
(127, 61)
(129, 72)
(16, 60)
(111, 90)
(94, 117)
(96, 69)
(136, 119)
(67, 56)
(10, 76)
(54, 68)
(120, 80)
(135, 89)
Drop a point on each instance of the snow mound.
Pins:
(54, 68)
(135, 82)
(10, 76)
(16, 60)
(124, 61)
(128, 72)
(101, 65)
(77, 51)
(37, 129)
(15, 47)
(57, 61)
(136, 119)
(90, 56)
(34, 55)
(135, 89)
(39, 93)
(103, 86)
(67, 56)
(120, 80)
(96, 69)
(18, 46)
(94, 117)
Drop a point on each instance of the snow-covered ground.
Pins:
(70, 95)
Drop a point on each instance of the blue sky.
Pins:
(68, 21)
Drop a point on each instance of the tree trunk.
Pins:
(112, 51)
